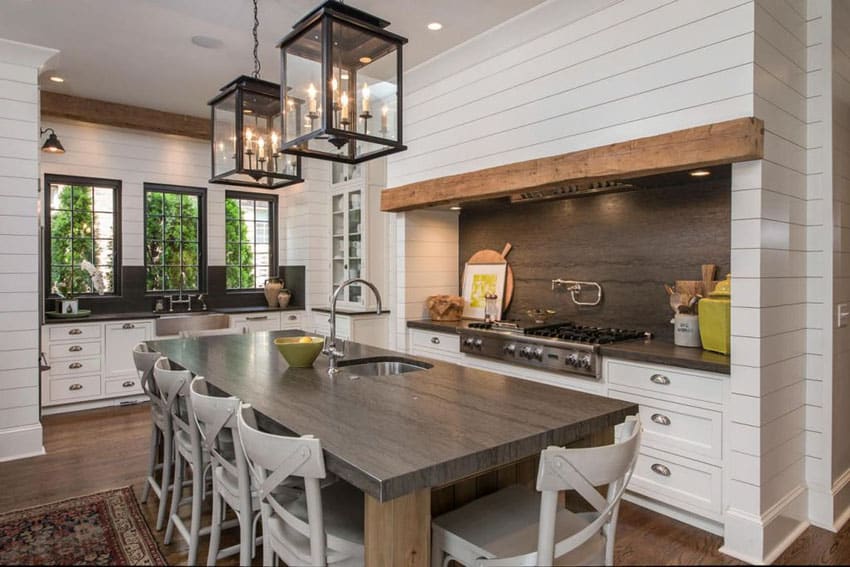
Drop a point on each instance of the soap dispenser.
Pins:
(715, 313)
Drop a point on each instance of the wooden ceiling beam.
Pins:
(123, 116)
(732, 141)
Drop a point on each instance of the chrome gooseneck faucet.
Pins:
(330, 347)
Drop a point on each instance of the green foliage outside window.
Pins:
(239, 255)
(172, 241)
(249, 230)
(81, 228)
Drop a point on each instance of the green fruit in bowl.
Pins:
(299, 352)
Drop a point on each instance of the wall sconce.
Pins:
(52, 145)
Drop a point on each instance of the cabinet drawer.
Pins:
(679, 482)
(75, 367)
(685, 430)
(74, 388)
(124, 387)
(292, 319)
(665, 380)
(258, 322)
(74, 349)
(73, 332)
(441, 342)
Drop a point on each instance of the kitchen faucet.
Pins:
(330, 348)
(180, 297)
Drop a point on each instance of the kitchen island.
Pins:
(399, 437)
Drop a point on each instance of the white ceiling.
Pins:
(139, 52)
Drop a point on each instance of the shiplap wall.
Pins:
(840, 76)
(770, 257)
(20, 429)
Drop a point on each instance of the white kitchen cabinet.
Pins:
(434, 344)
(91, 364)
(293, 320)
(267, 321)
(366, 328)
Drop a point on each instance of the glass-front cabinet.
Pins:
(348, 251)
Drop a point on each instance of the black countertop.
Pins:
(99, 317)
(652, 350)
(392, 435)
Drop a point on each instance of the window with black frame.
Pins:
(82, 222)
(174, 238)
(250, 230)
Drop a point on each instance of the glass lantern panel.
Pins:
(368, 68)
(224, 132)
(261, 135)
(303, 84)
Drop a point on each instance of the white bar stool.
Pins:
(517, 526)
(323, 526)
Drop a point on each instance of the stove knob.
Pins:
(468, 341)
(538, 354)
(525, 352)
(509, 349)
(478, 343)
(584, 362)
(572, 360)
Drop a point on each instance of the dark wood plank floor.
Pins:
(96, 450)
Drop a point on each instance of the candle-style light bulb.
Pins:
(366, 92)
(384, 110)
(248, 137)
(274, 142)
(344, 102)
(311, 95)
(261, 145)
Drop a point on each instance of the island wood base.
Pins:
(398, 532)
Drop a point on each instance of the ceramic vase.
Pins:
(271, 289)
(283, 297)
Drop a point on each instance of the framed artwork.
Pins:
(479, 280)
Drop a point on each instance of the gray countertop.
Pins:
(652, 350)
(391, 435)
(94, 317)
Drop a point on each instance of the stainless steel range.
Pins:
(562, 347)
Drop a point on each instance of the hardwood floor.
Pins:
(96, 450)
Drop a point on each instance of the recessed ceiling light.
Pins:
(57, 79)
(207, 42)
(435, 26)
(365, 60)
(700, 173)
(455, 208)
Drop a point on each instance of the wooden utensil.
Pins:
(689, 287)
(709, 271)
(489, 256)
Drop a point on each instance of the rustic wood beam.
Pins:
(732, 141)
(123, 116)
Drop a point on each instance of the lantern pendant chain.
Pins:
(256, 43)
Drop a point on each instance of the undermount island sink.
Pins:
(200, 321)
(382, 366)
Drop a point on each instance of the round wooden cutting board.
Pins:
(488, 256)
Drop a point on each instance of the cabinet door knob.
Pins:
(435, 340)
(128, 384)
(660, 379)
(75, 332)
(128, 326)
(658, 468)
(75, 365)
(660, 419)
(74, 387)
(75, 348)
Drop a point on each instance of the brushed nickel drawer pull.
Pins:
(128, 384)
(293, 317)
(660, 379)
(658, 468)
(258, 318)
(128, 326)
(75, 365)
(660, 419)
(435, 340)
(75, 332)
(75, 348)
(75, 387)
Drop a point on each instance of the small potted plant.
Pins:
(68, 303)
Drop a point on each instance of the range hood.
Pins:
(572, 190)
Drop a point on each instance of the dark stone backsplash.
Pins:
(133, 298)
(631, 243)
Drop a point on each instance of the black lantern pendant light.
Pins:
(52, 145)
(247, 126)
(342, 83)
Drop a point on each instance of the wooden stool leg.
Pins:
(398, 532)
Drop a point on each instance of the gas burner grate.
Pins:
(585, 334)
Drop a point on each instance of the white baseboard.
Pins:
(689, 518)
(94, 404)
(830, 508)
(21, 442)
(760, 540)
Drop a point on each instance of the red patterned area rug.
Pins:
(106, 528)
